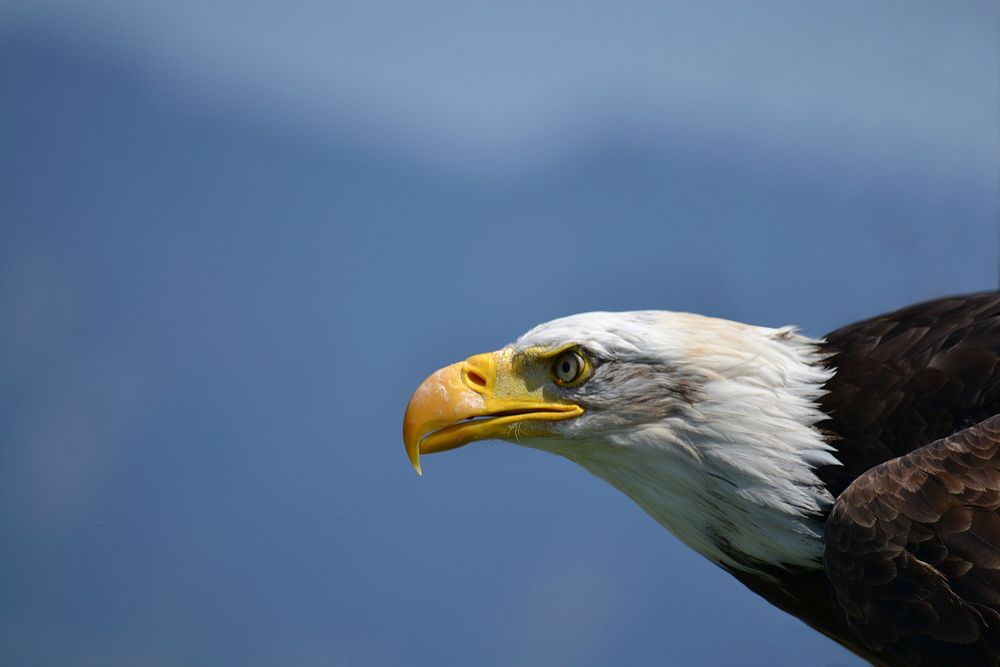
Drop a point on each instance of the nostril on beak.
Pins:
(476, 379)
(478, 372)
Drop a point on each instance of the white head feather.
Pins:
(713, 432)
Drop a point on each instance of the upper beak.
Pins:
(477, 399)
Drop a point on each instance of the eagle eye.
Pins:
(568, 368)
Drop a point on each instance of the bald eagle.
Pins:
(852, 481)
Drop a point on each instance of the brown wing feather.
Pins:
(913, 552)
(909, 377)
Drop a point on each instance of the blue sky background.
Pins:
(235, 236)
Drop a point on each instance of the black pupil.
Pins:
(567, 368)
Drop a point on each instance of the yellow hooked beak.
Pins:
(480, 398)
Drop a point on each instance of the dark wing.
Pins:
(908, 378)
(913, 552)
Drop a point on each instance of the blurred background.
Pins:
(234, 237)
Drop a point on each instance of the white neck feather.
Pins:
(732, 475)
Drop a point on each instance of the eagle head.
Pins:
(709, 425)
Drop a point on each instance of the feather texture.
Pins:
(709, 425)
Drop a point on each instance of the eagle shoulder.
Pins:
(907, 378)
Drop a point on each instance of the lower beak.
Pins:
(460, 404)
